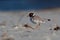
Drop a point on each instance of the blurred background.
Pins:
(28, 4)
(14, 12)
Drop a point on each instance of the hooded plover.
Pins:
(36, 19)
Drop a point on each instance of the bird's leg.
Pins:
(31, 27)
(37, 26)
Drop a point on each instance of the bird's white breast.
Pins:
(38, 21)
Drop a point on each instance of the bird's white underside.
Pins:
(37, 21)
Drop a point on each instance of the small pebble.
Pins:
(49, 19)
(57, 28)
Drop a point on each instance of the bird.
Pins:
(36, 19)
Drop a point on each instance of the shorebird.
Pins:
(36, 19)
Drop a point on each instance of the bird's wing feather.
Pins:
(37, 18)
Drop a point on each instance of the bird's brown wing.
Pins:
(37, 18)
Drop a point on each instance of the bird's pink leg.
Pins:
(37, 26)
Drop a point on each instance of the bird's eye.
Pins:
(31, 14)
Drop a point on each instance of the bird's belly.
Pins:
(38, 21)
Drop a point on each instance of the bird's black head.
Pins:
(31, 14)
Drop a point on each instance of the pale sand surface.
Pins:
(12, 18)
